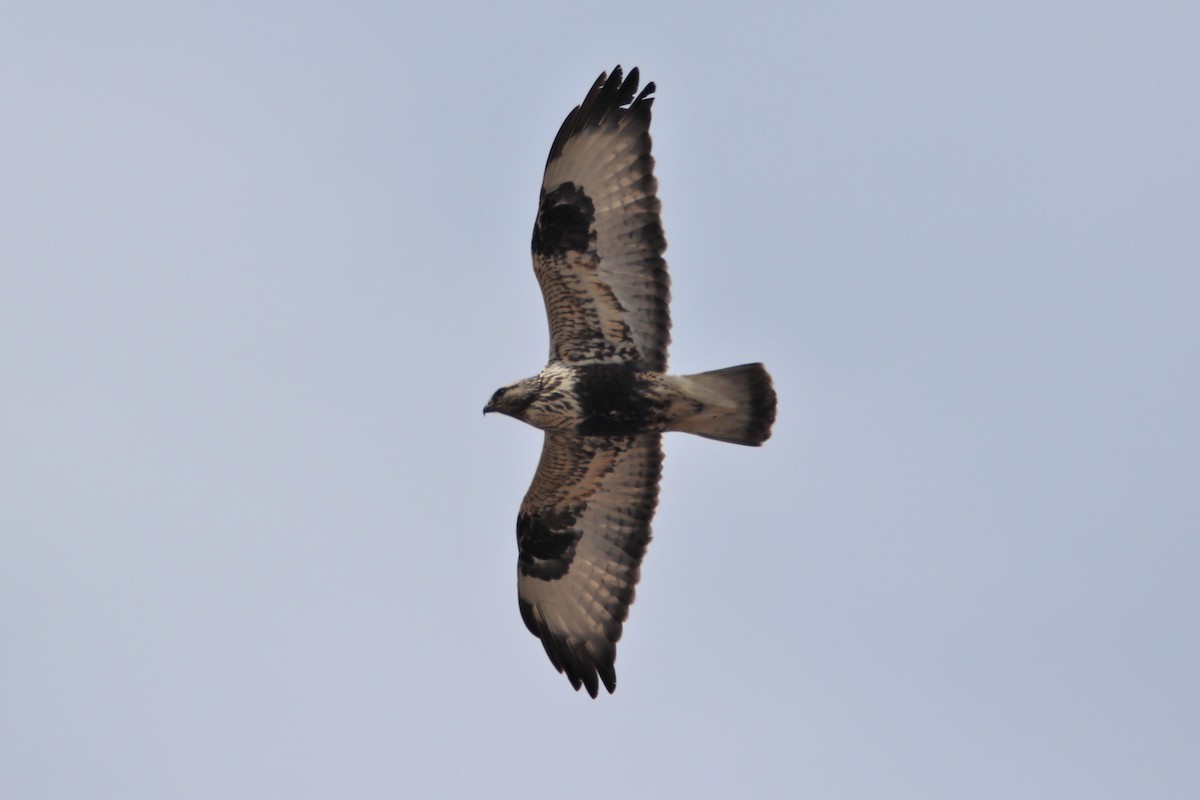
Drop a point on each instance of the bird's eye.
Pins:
(499, 393)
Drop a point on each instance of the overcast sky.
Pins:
(261, 265)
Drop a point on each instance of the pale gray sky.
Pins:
(262, 264)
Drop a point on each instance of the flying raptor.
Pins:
(605, 398)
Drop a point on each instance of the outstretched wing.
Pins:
(598, 241)
(582, 531)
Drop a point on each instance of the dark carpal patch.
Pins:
(614, 401)
(546, 543)
(564, 221)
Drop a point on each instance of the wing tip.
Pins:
(586, 665)
(583, 668)
(613, 97)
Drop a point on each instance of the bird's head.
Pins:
(515, 399)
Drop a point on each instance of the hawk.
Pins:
(605, 398)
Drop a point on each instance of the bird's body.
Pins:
(619, 400)
(605, 398)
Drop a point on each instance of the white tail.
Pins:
(736, 404)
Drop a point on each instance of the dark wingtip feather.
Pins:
(608, 674)
(628, 88)
(644, 98)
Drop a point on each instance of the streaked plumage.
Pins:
(604, 398)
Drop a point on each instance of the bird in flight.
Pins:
(605, 398)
